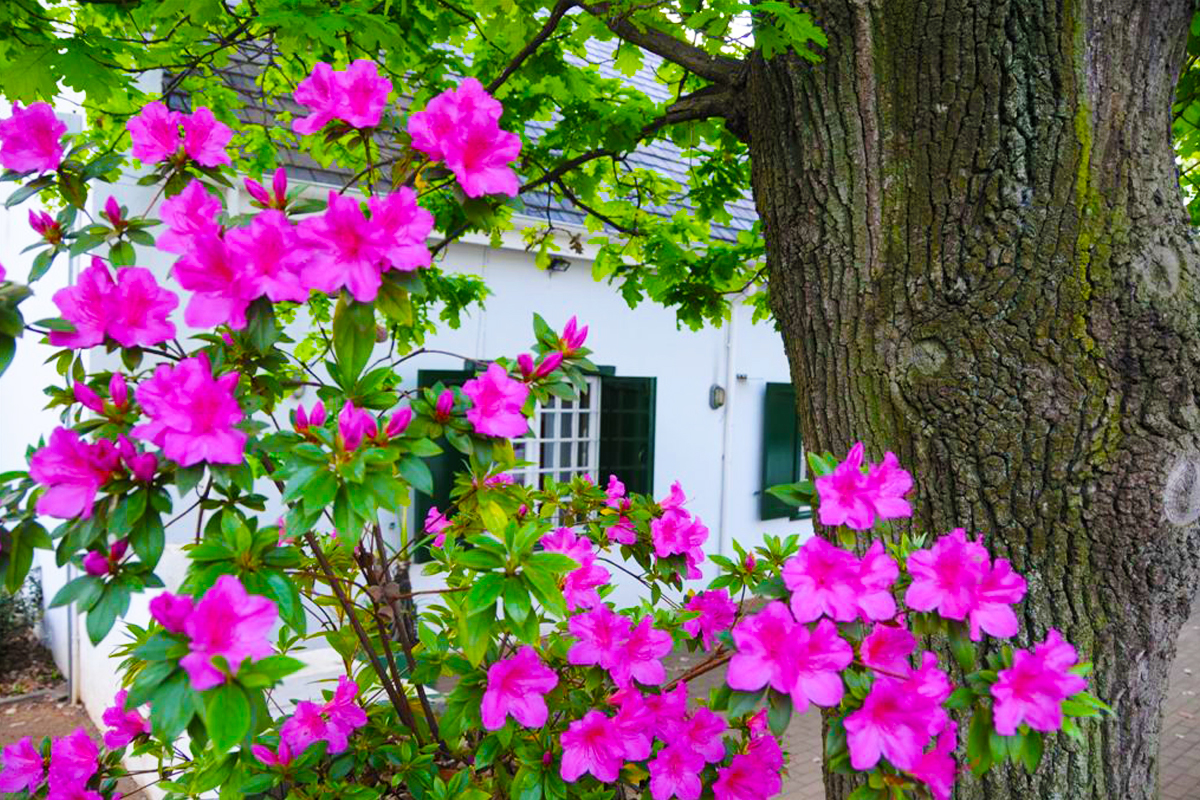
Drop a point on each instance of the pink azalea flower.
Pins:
(85, 305)
(112, 211)
(936, 768)
(73, 471)
(362, 94)
(280, 757)
(343, 250)
(877, 571)
(399, 423)
(269, 257)
(615, 494)
(143, 466)
(773, 650)
(123, 726)
(572, 338)
(204, 139)
(3, 273)
(140, 309)
(745, 779)
(230, 623)
(717, 612)
(434, 129)
(72, 760)
(589, 746)
(622, 532)
(602, 636)
(479, 156)
(702, 733)
(525, 364)
(192, 415)
(31, 139)
(402, 227)
(579, 586)
(957, 579)
(118, 390)
(564, 540)
(172, 611)
(763, 747)
(332, 722)
(319, 91)
(315, 418)
(550, 362)
(355, 424)
(675, 772)
(74, 791)
(515, 686)
(640, 658)
(222, 292)
(436, 524)
(888, 647)
(1032, 690)
(190, 214)
(671, 533)
(898, 718)
(496, 403)
(674, 499)
(23, 767)
(155, 133)
(87, 397)
(823, 580)
(95, 563)
(633, 724)
(849, 497)
(670, 711)
(305, 726)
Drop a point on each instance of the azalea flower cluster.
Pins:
(677, 532)
(73, 471)
(227, 622)
(133, 310)
(156, 136)
(31, 139)
(73, 762)
(331, 722)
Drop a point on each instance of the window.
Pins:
(609, 430)
(783, 457)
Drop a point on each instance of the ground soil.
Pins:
(26, 666)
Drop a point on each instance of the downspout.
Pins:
(727, 432)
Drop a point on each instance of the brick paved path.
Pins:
(1179, 770)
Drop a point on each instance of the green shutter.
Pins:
(627, 432)
(782, 461)
(445, 464)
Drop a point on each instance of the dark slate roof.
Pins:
(662, 156)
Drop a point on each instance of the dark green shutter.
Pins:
(783, 461)
(627, 432)
(445, 464)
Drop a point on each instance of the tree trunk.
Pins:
(979, 259)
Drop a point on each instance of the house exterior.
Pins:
(712, 409)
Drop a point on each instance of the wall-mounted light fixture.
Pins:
(716, 396)
(559, 264)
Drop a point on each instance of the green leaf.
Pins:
(113, 602)
(979, 754)
(84, 591)
(41, 264)
(227, 715)
(779, 712)
(122, 254)
(480, 560)
(261, 327)
(1031, 751)
(28, 190)
(171, 707)
(961, 645)
(416, 472)
(353, 338)
(484, 593)
(744, 702)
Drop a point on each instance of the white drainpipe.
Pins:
(723, 532)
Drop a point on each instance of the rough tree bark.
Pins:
(979, 258)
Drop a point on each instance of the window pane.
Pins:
(565, 427)
(564, 455)
(583, 455)
(566, 404)
(547, 455)
(583, 424)
(547, 425)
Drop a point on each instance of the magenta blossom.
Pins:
(402, 227)
(827, 580)
(579, 586)
(1033, 689)
(887, 648)
(398, 423)
(363, 93)
(332, 722)
(898, 718)
(230, 623)
(572, 338)
(31, 139)
(87, 397)
(669, 710)
(140, 309)
(433, 129)
(24, 769)
(269, 257)
(354, 425)
(589, 746)
(515, 686)
(936, 768)
(118, 390)
(315, 418)
(633, 724)
(717, 612)
(143, 465)
(444, 405)
(675, 772)
(343, 250)
(280, 757)
(602, 637)
(204, 139)
(746, 778)
(155, 133)
(436, 524)
(192, 414)
(95, 563)
(190, 214)
(172, 611)
(217, 278)
(123, 726)
(319, 92)
(848, 497)
(702, 733)
(112, 211)
(72, 761)
(73, 471)
(496, 403)
(277, 200)
(640, 658)
(85, 305)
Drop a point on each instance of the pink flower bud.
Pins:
(355, 424)
(88, 398)
(279, 184)
(41, 222)
(125, 447)
(117, 551)
(445, 404)
(750, 562)
(572, 339)
(399, 422)
(300, 419)
(256, 190)
(316, 417)
(171, 611)
(94, 563)
(550, 363)
(112, 210)
(143, 467)
(525, 362)
(118, 390)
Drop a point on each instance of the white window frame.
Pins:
(581, 450)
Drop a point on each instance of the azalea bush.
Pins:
(518, 678)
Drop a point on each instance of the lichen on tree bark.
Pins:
(979, 258)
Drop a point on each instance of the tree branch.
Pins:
(556, 16)
(718, 69)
